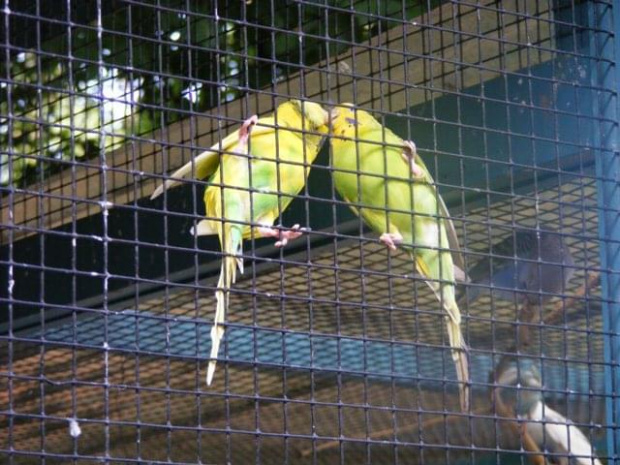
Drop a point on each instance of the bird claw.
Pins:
(391, 240)
(415, 169)
(283, 236)
(245, 129)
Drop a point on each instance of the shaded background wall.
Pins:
(108, 298)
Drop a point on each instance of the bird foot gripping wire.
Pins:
(410, 158)
(245, 129)
(283, 236)
(391, 240)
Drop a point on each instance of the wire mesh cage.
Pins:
(425, 168)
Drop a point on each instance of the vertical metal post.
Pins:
(608, 189)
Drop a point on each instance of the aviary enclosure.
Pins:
(441, 180)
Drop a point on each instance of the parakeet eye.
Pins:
(351, 121)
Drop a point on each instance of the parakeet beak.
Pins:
(333, 114)
(328, 118)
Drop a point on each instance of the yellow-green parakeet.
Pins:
(254, 174)
(385, 182)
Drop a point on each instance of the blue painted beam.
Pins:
(607, 75)
(405, 362)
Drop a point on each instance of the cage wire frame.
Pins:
(335, 349)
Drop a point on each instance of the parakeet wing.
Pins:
(205, 164)
(453, 240)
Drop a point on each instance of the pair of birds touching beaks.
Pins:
(255, 172)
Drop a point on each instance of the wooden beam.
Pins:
(449, 49)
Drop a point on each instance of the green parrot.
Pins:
(254, 173)
(385, 182)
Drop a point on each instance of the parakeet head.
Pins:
(346, 120)
(315, 118)
(519, 383)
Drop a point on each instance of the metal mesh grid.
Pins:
(335, 350)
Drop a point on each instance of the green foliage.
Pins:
(81, 95)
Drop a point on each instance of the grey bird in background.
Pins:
(529, 266)
(518, 388)
(513, 270)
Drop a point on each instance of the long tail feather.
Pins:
(459, 356)
(455, 336)
(217, 330)
(228, 276)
